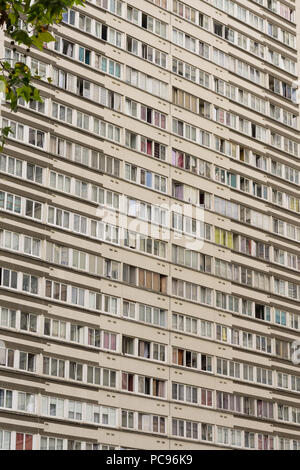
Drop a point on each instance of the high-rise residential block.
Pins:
(150, 230)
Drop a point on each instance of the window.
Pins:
(34, 173)
(144, 313)
(132, 14)
(191, 291)
(17, 130)
(150, 386)
(111, 269)
(64, 46)
(187, 429)
(185, 358)
(127, 381)
(51, 443)
(69, 17)
(184, 323)
(114, 6)
(188, 101)
(52, 406)
(56, 290)
(24, 441)
(57, 328)
(151, 423)
(145, 178)
(190, 73)
(33, 209)
(7, 317)
(108, 34)
(26, 361)
(150, 280)
(54, 367)
(109, 66)
(75, 371)
(153, 25)
(5, 440)
(144, 349)
(147, 83)
(128, 346)
(190, 163)
(107, 130)
(160, 3)
(109, 341)
(127, 419)
(93, 335)
(26, 402)
(146, 52)
(282, 348)
(10, 202)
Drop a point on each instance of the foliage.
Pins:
(26, 23)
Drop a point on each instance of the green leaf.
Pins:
(6, 65)
(37, 42)
(37, 16)
(19, 91)
(4, 134)
(46, 37)
(22, 37)
(36, 95)
(26, 92)
(39, 39)
(13, 18)
(6, 130)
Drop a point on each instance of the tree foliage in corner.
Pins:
(26, 22)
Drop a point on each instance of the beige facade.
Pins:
(149, 231)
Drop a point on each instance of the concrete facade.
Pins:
(149, 231)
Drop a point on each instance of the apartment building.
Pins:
(149, 231)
